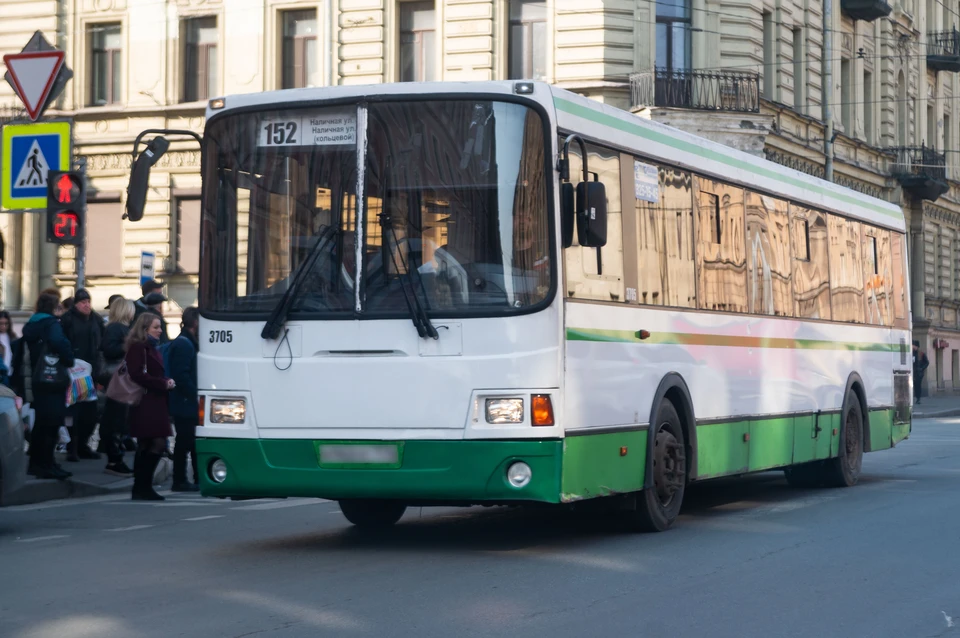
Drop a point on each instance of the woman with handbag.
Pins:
(113, 423)
(150, 416)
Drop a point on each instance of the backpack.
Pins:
(50, 374)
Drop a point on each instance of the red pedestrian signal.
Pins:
(66, 202)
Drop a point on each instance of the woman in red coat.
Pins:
(150, 419)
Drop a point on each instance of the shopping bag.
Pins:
(82, 387)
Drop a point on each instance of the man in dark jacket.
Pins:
(43, 329)
(84, 328)
(920, 364)
(151, 302)
(184, 409)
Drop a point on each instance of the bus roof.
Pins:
(674, 146)
(622, 129)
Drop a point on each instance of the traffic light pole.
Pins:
(82, 247)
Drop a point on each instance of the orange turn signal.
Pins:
(542, 409)
(202, 409)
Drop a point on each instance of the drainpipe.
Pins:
(827, 89)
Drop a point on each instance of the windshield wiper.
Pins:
(271, 330)
(419, 316)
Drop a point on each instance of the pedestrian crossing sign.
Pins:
(29, 151)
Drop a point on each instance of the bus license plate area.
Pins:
(346, 455)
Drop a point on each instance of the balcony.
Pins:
(727, 91)
(867, 10)
(943, 51)
(920, 170)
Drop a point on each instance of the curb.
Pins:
(937, 415)
(43, 490)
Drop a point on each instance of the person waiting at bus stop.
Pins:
(920, 364)
(150, 418)
(84, 328)
(182, 361)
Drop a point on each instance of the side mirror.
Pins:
(140, 177)
(591, 214)
(568, 213)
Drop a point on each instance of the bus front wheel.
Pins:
(372, 514)
(658, 507)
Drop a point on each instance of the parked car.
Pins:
(13, 470)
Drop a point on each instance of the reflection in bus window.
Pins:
(720, 249)
(811, 280)
(846, 270)
(665, 247)
(899, 272)
(582, 279)
(768, 256)
(877, 275)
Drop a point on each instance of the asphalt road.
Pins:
(750, 557)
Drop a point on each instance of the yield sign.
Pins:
(33, 75)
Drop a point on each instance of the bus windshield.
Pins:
(454, 207)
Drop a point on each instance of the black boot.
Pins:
(143, 470)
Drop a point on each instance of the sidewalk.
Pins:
(88, 479)
(937, 407)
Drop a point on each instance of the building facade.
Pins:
(751, 75)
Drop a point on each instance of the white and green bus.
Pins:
(421, 294)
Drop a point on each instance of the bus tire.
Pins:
(657, 508)
(844, 470)
(372, 513)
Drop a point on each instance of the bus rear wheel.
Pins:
(844, 470)
(657, 508)
(372, 514)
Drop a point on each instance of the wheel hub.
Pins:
(669, 466)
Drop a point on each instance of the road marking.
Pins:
(66, 503)
(165, 503)
(42, 538)
(132, 528)
(204, 518)
(296, 502)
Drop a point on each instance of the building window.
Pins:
(417, 42)
(528, 40)
(769, 57)
(299, 49)
(200, 59)
(869, 108)
(185, 245)
(932, 128)
(846, 95)
(104, 64)
(799, 78)
(673, 34)
(104, 252)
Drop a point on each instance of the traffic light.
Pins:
(66, 201)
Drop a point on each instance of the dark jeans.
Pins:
(43, 439)
(113, 426)
(85, 417)
(186, 442)
(917, 386)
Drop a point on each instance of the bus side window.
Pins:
(811, 279)
(769, 283)
(877, 275)
(666, 258)
(899, 280)
(721, 260)
(581, 277)
(846, 270)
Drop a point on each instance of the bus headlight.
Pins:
(519, 475)
(504, 410)
(228, 411)
(218, 471)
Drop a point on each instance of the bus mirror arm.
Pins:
(141, 165)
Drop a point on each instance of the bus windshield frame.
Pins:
(433, 177)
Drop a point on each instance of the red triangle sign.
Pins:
(33, 75)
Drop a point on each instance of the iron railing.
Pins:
(731, 91)
(919, 162)
(944, 44)
(11, 112)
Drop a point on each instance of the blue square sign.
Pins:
(30, 151)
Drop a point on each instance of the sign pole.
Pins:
(82, 246)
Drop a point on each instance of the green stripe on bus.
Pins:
(586, 113)
(691, 339)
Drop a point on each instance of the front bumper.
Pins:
(462, 471)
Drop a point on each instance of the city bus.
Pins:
(504, 293)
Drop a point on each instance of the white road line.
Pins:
(132, 528)
(42, 538)
(165, 503)
(204, 518)
(67, 502)
(296, 502)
